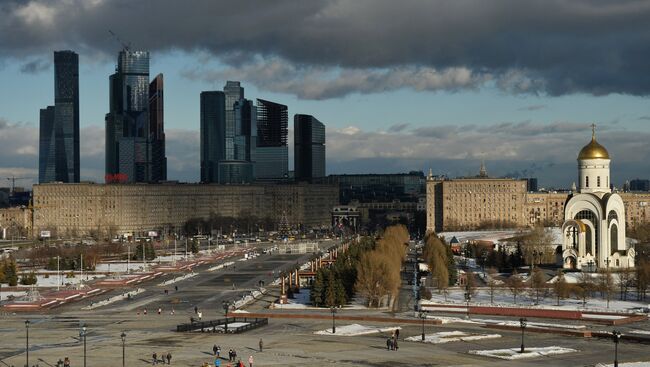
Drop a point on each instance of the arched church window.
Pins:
(587, 182)
(613, 238)
(592, 239)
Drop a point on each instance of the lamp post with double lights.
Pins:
(123, 337)
(616, 335)
(333, 311)
(27, 342)
(522, 325)
(226, 307)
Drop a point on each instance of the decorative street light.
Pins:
(422, 315)
(27, 342)
(123, 336)
(226, 307)
(522, 324)
(333, 311)
(617, 336)
(83, 334)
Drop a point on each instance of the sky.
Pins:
(400, 86)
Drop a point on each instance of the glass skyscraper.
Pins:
(135, 135)
(59, 130)
(309, 147)
(213, 133)
(272, 151)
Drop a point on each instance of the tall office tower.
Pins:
(46, 146)
(235, 167)
(213, 132)
(63, 128)
(129, 138)
(157, 130)
(309, 147)
(272, 152)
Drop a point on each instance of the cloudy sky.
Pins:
(401, 85)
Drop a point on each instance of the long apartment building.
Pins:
(84, 208)
(480, 202)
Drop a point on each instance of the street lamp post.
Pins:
(27, 342)
(83, 334)
(522, 324)
(617, 336)
(422, 316)
(226, 307)
(123, 336)
(333, 311)
(468, 295)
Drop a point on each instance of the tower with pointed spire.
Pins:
(482, 171)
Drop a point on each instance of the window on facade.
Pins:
(598, 181)
(587, 181)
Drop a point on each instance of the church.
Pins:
(594, 217)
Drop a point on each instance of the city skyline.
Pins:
(386, 111)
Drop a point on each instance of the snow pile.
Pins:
(178, 279)
(355, 330)
(221, 266)
(513, 353)
(113, 299)
(249, 298)
(451, 336)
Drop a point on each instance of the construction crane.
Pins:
(126, 46)
(13, 181)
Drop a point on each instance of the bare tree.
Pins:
(536, 246)
(560, 287)
(537, 283)
(625, 277)
(492, 283)
(642, 279)
(585, 287)
(515, 285)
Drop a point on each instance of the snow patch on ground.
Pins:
(628, 364)
(113, 299)
(221, 266)
(451, 336)
(355, 330)
(178, 279)
(480, 321)
(513, 353)
(643, 332)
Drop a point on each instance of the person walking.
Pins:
(66, 362)
(144, 311)
(230, 355)
(154, 358)
(214, 350)
(196, 310)
(218, 351)
(388, 343)
(250, 361)
(159, 310)
(261, 345)
(169, 358)
(217, 362)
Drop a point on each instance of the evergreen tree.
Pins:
(316, 294)
(11, 273)
(148, 250)
(451, 267)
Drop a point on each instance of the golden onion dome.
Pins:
(593, 150)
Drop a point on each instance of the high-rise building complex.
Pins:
(59, 130)
(134, 138)
(272, 152)
(309, 147)
(213, 132)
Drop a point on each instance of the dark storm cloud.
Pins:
(534, 107)
(35, 66)
(534, 46)
(398, 127)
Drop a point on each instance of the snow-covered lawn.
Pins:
(451, 336)
(627, 364)
(299, 301)
(4, 294)
(503, 298)
(482, 321)
(355, 330)
(513, 353)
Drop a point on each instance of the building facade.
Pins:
(236, 166)
(272, 151)
(59, 130)
(15, 222)
(157, 129)
(309, 147)
(81, 209)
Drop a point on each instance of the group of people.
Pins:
(232, 357)
(163, 357)
(391, 343)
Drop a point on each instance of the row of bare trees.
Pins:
(379, 270)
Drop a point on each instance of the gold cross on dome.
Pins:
(593, 131)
